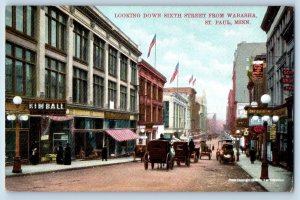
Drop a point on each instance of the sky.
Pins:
(203, 51)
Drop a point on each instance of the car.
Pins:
(220, 144)
(226, 153)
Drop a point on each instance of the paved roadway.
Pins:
(206, 175)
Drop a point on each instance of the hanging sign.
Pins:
(258, 129)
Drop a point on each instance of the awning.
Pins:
(122, 134)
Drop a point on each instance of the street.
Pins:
(206, 175)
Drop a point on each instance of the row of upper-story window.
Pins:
(20, 79)
(22, 20)
(153, 91)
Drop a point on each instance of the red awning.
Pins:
(122, 134)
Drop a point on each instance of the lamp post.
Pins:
(237, 145)
(265, 99)
(17, 100)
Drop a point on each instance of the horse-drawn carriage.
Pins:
(205, 150)
(181, 153)
(158, 151)
(139, 151)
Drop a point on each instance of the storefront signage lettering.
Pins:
(258, 71)
(258, 129)
(287, 80)
(242, 122)
(281, 112)
(47, 107)
(288, 72)
(273, 132)
(288, 88)
(259, 112)
(110, 115)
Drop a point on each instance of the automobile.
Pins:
(226, 153)
(220, 144)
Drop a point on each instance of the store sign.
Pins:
(110, 115)
(242, 123)
(288, 79)
(47, 107)
(258, 129)
(273, 132)
(257, 71)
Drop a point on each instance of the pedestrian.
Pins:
(161, 137)
(104, 153)
(213, 147)
(60, 154)
(34, 157)
(191, 146)
(67, 155)
(252, 155)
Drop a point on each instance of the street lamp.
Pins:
(265, 99)
(17, 100)
(238, 145)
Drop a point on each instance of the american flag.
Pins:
(175, 73)
(151, 45)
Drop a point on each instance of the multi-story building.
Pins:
(243, 57)
(202, 112)
(176, 115)
(278, 23)
(190, 93)
(151, 84)
(73, 55)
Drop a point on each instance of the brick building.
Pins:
(151, 84)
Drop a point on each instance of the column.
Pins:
(90, 70)
(40, 81)
(106, 76)
(128, 84)
(69, 66)
(118, 80)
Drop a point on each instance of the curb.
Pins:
(66, 169)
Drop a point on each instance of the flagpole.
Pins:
(155, 51)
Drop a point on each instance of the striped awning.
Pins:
(122, 134)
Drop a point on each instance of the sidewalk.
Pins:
(53, 167)
(280, 180)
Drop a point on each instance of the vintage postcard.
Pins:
(149, 98)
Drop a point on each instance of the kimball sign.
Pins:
(47, 107)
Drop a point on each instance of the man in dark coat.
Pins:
(191, 146)
(252, 153)
(67, 156)
(35, 156)
(60, 154)
(104, 153)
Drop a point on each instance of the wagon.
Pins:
(205, 150)
(181, 153)
(195, 154)
(158, 151)
(139, 151)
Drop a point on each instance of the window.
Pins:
(79, 86)
(112, 94)
(55, 24)
(154, 118)
(148, 114)
(123, 72)
(154, 91)
(99, 53)
(98, 91)
(149, 90)
(160, 94)
(112, 61)
(19, 70)
(142, 87)
(55, 79)
(132, 100)
(123, 97)
(160, 115)
(21, 19)
(133, 72)
(80, 42)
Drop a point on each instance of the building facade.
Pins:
(202, 112)
(76, 55)
(243, 58)
(278, 23)
(176, 115)
(151, 84)
(190, 93)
